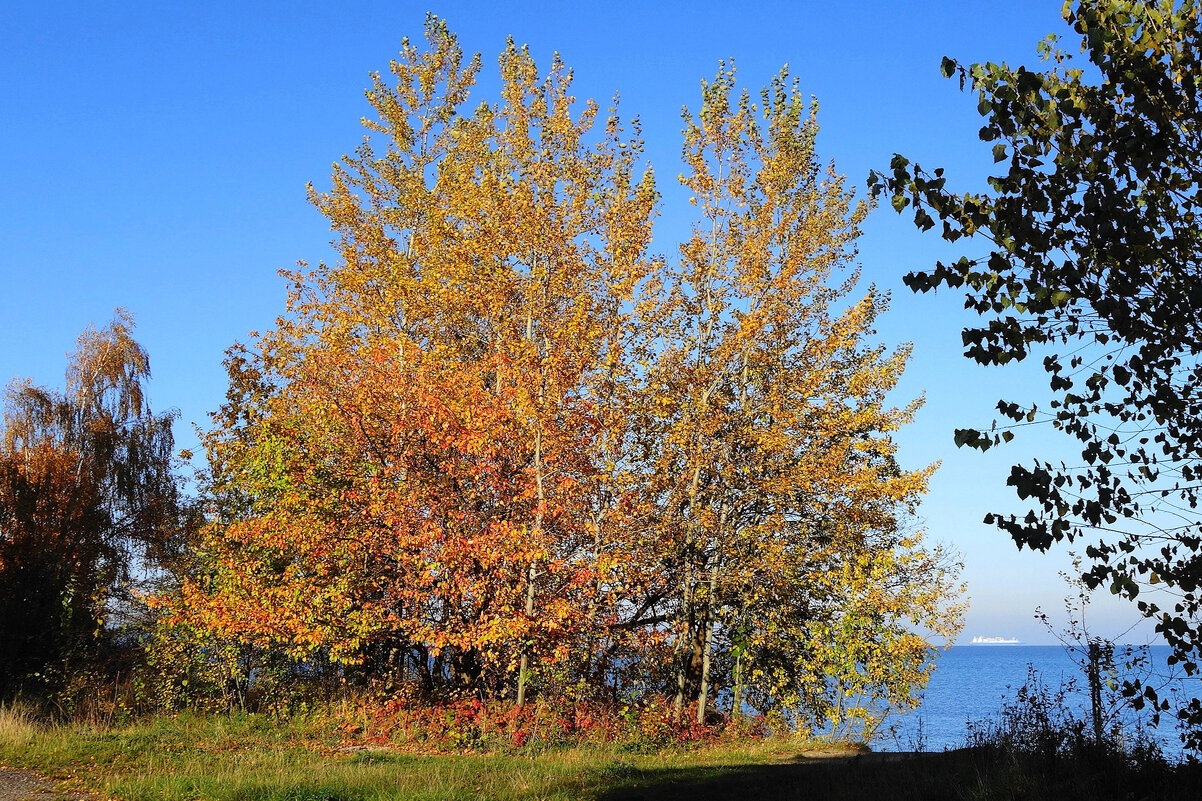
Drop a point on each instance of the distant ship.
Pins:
(994, 641)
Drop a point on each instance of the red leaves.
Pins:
(500, 446)
(472, 724)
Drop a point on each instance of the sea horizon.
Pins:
(972, 682)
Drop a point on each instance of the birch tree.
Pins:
(774, 427)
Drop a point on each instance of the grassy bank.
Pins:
(251, 757)
(254, 758)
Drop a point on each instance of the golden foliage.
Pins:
(501, 442)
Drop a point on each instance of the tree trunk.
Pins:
(736, 701)
(703, 693)
(1094, 674)
(524, 664)
(537, 529)
(684, 654)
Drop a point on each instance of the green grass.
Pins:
(251, 758)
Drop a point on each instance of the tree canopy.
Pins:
(1095, 265)
(89, 506)
(501, 447)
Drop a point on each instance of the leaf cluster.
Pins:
(503, 449)
(1094, 249)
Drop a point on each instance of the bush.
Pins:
(1039, 746)
(473, 724)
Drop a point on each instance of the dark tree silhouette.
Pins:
(89, 508)
(1096, 265)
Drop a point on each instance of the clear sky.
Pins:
(155, 155)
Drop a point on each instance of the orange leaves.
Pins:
(500, 443)
(89, 506)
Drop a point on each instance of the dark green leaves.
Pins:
(1094, 233)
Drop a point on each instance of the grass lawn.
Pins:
(254, 758)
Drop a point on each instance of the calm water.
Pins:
(972, 681)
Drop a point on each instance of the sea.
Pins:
(972, 683)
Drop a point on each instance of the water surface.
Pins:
(971, 683)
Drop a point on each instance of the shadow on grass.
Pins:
(956, 776)
(872, 775)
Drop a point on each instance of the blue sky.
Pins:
(155, 155)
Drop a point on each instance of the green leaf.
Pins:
(967, 436)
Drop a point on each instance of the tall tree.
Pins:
(1094, 265)
(89, 505)
(415, 437)
(498, 447)
(771, 428)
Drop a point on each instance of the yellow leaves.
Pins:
(774, 472)
(499, 430)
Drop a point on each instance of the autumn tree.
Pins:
(89, 508)
(407, 457)
(778, 504)
(1091, 224)
(499, 448)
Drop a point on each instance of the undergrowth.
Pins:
(342, 754)
(1040, 747)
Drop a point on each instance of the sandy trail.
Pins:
(21, 785)
(24, 785)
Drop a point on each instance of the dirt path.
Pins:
(21, 785)
(24, 785)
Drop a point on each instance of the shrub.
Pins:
(1040, 746)
(474, 724)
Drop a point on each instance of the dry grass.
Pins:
(18, 725)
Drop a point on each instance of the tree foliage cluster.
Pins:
(90, 511)
(501, 448)
(1094, 264)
